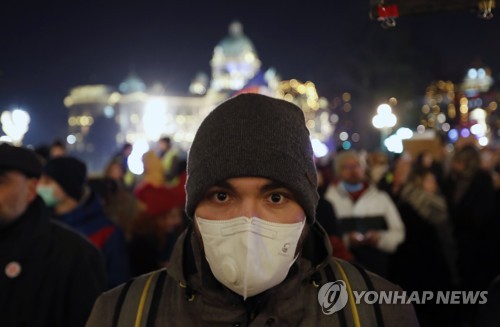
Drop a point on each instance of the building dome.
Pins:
(236, 43)
(132, 84)
(234, 61)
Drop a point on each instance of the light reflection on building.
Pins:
(466, 108)
(102, 118)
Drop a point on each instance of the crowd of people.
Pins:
(425, 223)
(432, 223)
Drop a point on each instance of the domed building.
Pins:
(235, 60)
(140, 114)
(132, 84)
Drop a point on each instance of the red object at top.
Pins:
(389, 11)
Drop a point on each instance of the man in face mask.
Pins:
(63, 187)
(368, 219)
(254, 254)
(49, 275)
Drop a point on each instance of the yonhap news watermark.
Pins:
(403, 297)
(334, 296)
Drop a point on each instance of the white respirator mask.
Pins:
(249, 255)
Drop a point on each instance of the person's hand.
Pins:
(356, 239)
(372, 238)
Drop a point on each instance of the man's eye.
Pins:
(276, 198)
(221, 196)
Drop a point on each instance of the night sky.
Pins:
(47, 48)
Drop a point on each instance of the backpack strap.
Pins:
(357, 279)
(330, 276)
(352, 303)
(119, 303)
(139, 299)
(155, 303)
(376, 305)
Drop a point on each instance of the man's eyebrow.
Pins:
(273, 186)
(223, 185)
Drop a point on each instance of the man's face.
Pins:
(429, 183)
(127, 151)
(57, 151)
(458, 166)
(351, 171)
(16, 193)
(250, 197)
(59, 193)
(163, 146)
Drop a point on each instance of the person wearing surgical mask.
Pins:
(63, 187)
(369, 220)
(253, 254)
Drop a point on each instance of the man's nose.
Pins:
(250, 208)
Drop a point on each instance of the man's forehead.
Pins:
(11, 173)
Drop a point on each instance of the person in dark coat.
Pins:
(50, 275)
(63, 186)
(254, 254)
(471, 201)
(424, 212)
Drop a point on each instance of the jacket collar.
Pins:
(90, 207)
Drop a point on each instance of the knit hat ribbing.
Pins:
(253, 135)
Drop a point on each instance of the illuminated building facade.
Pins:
(465, 110)
(102, 118)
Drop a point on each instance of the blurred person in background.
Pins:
(429, 238)
(471, 201)
(122, 156)
(43, 152)
(153, 185)
(426, 161)
(50, 275)
(155, 231)
(369, 221)
(63, 186)
(378, 166)
(397, 175)
(120, 205)
(57, 149)
(326, 217)
(172, 160)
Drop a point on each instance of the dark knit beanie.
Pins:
(19, 159)
(70, 173)
(253, 135)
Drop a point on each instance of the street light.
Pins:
(15, 124)
(384, 120)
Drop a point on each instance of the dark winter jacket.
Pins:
(89, 219)
(191, 296)
(55, 274)
(473, 214)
